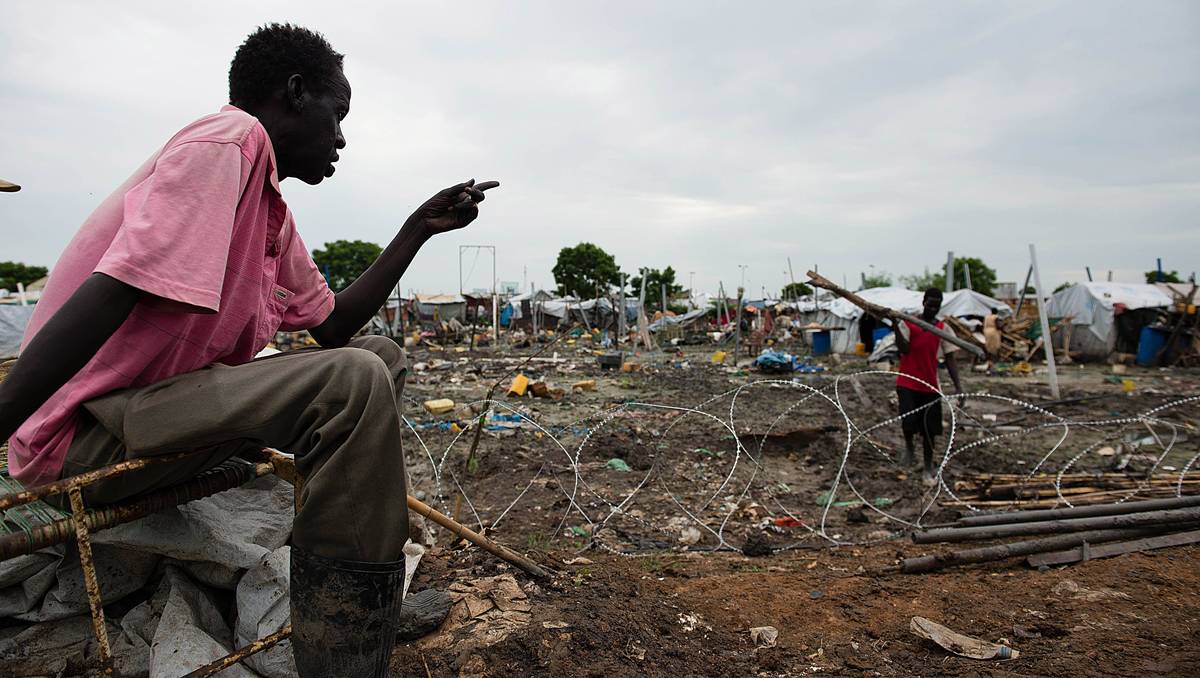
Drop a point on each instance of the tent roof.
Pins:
(439, 298)
(1080, 299)
(957, 303)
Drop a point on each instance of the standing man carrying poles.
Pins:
(917, 384)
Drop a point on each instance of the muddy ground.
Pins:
(641, 500)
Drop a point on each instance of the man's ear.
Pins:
(295, 92)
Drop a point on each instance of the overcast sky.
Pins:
(701, 135)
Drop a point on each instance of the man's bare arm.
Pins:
(63, 346)
(901, 341)
(952, 368)
(448, 210)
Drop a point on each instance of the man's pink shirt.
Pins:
(203, 230)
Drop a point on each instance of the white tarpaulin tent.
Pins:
(13, 320)
(1092, 308)
(845, 315)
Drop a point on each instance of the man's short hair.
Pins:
(934, 292)
(275, 52)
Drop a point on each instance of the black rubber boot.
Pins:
(342, 615)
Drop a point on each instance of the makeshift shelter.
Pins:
(442, 307)
(1106, 317)
(521, 307)
(684, 321)
(549, 312)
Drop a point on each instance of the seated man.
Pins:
(144, 342)
(917, 385)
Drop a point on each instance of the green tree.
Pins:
(342, 261)
(13, 272)
(880, 279)
(923, 281)
(1167, 276)
(655, 279)
(796, 289)
(1060, 288)
(585, 270)
(983, 277)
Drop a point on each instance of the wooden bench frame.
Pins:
(84, 521)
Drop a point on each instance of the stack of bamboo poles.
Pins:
(1077, 533)
(997, 490)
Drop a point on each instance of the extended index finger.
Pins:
(486, 185)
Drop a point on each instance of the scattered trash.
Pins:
(718, 357)
(788, 521)
(764, 636)
(692, 621)
(689, 536)
(857, 515)
(586, 385)
(485, 612)
(519, 384)
(555, 625)
(617, 464)
(964, 646)
(817, 595)
(610, 361)
(757, 545)
(541, 389)
(1070, 587)
(774, 362)
(439, 406)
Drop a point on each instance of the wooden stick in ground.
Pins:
(464, 532)
(1021, 548)
(884, 312)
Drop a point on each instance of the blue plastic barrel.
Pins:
(821, 343)
(880, 333)
(1149, 344)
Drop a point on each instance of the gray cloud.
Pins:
(700, 135)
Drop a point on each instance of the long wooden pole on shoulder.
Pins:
(885, 312)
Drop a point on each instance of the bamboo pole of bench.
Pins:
(91, 582)
(208, 483)
(57, 487)
(885, 312)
